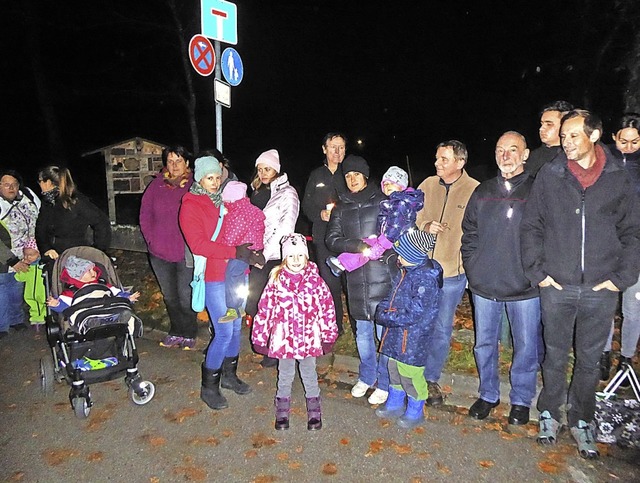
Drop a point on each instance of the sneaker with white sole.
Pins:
(359, 389)
(378, 396)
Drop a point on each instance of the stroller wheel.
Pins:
(81, 407)
(142, 393)
(47, 375)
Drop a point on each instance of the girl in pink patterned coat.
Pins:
(296, 320)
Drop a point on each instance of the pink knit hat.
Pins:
(271, 158)
(31, 243)
(294, 244)
(234, 191)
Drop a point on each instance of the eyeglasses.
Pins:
(10, 185)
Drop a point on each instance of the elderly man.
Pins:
(445, 199)
(18, 213)
(320, 195)
(549, 136)
(492, 261)
(580, 240)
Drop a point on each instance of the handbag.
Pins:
(198, 287)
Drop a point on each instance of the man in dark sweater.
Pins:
(493, 264)
(580, 236)
(549, 136)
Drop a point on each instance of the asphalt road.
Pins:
(175, 437)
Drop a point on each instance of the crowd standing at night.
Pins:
(547, 246)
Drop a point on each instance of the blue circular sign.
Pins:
(231, 65)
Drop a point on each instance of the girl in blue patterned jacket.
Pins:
(407, 316)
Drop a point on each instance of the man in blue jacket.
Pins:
(492, 262)
(580, 238)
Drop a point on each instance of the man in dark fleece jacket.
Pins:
(580, 239)
(492, 262)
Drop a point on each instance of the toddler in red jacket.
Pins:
(296, 320)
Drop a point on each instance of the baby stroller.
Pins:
(84, 353)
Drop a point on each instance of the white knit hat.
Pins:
(396, 175)
(271, 158)
(294, 244)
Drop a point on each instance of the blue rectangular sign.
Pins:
(220, 21)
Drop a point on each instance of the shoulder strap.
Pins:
(219, 225)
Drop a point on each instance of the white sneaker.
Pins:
(378, 396)
(360, 389)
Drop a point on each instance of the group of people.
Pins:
(546, 245)
(33, 234)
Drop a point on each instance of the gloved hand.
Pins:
(257, 258)
(327, 348)
(261, 349)
(376, 251)
(243, 252)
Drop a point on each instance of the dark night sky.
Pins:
(402, 76)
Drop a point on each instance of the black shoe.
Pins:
(268, 362)
(519, 415)
(435, 397)
(605, 366)
(482, 408)
(19, 327)
(623, 362)
(3, 334)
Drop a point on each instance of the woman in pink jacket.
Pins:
(296, 321)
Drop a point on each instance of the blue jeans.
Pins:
(11, 297)
(372, 367)
(524, 318)
(440, 338)
(579, 318)
(174, 279)
(630, 332)
(226, 336)
(235, 284)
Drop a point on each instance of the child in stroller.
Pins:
(92, 336)
(89, 300)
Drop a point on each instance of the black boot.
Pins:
(230, 379)
(623, 362)
(283, 406)
(210, 390)
(605, 366)
(314, 414)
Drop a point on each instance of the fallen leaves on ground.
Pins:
(260, 440)
(227, 432)
(153, 440)
(549, 467)
(191, 473)
(100, 416)
(375, 447)
(345, 441)
(265, 479)
(486, 463)
(55, 457)
(181, 415)
(17, 476)
(442, 468)
(95, 456)
(199, 441)
(329, 469)
(456, 346)
(295, 465)
(252, 453)
(282, 457)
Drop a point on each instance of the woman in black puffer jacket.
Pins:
(353, 219)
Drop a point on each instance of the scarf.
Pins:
(588, 177)
(51, 195)
(216, 197)
(173, 183)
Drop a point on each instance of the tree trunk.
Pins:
(632, 92)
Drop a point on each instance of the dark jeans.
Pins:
(334, 283)
(235, 281)
(174, 279)
(580, 318)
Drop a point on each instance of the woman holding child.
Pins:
(199, 217)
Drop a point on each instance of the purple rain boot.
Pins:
(314, 414)
(283, 406)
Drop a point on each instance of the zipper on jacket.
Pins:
(583, 235)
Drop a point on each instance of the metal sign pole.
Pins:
(218, 75)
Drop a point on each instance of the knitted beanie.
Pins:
(234, 191)
(206, 165)
(31, 243)
(76, 267)
(294, 244)
(355, 163)
(397, 176)
(413, 246)
(271, 158)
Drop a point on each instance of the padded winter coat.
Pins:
(398, 213)
(295, 315)
(408, 313)
(353, 219)
(281, 215)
